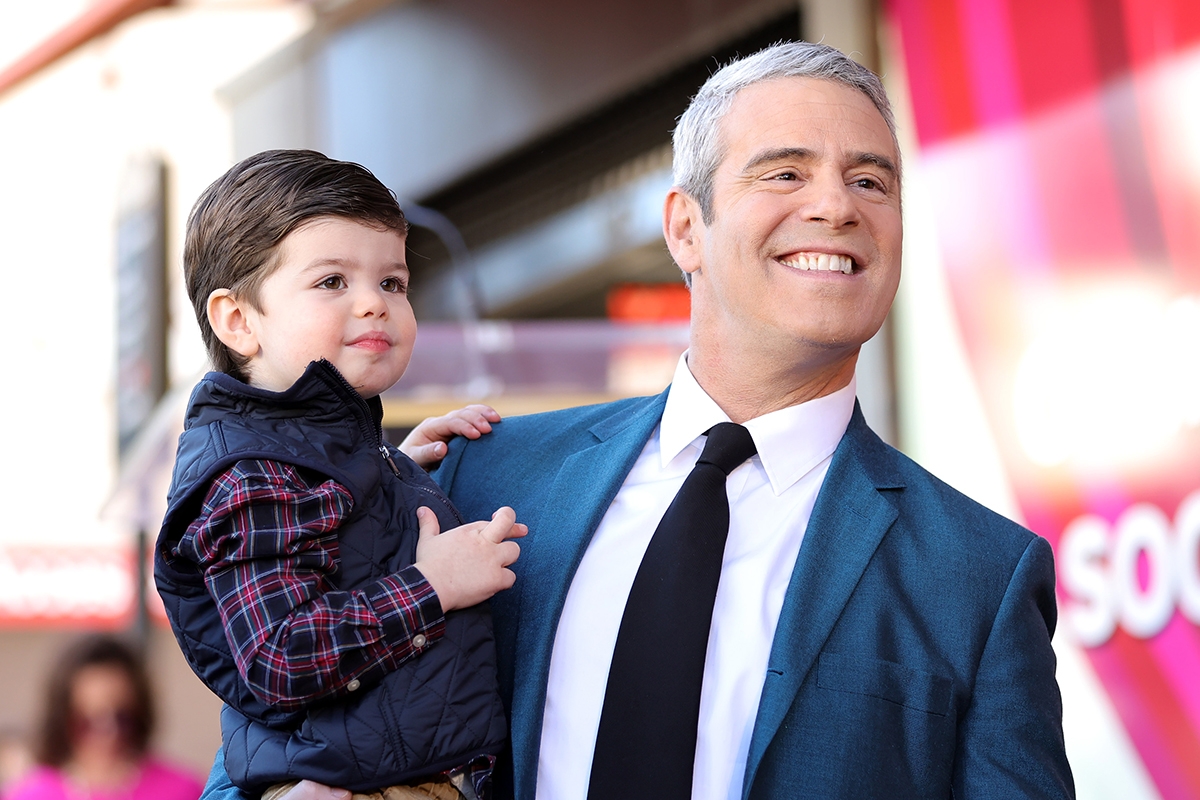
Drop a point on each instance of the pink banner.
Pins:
(1060, 141)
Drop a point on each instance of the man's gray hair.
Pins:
(698, 148)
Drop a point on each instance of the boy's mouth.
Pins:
(375, 341)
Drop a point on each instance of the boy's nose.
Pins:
(371, 303)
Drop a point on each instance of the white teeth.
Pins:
(821, 262)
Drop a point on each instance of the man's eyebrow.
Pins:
(856, 159)
(779, 154)
(875, 159)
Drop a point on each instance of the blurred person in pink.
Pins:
(92, 741)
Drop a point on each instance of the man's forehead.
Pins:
(792, 103)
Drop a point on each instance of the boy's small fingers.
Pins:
(427, 523)
(479, 422)
(485, 410)
(500, 527)
(509, 552)
(508, 578)
(428, 455)
(504, 515)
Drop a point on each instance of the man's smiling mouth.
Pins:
(819, 262)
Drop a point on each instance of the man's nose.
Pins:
(830, 201)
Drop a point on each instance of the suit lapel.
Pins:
(575, 503)
(848, 522)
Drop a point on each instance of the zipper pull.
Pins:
(388, 458)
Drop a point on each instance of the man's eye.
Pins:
(868, 183)
(333, 282)
(785, 176)
(394, 285)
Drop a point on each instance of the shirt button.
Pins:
(419, 641)
(353, 685)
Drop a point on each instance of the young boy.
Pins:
(300, 560)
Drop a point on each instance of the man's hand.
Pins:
(308, 790)
(468, 564)
(426, 445)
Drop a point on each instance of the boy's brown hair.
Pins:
(234, 230)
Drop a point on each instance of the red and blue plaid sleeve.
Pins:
(266, 542)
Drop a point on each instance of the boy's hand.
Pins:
(426, 445)
(468, 564)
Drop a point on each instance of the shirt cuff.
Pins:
(408, 609)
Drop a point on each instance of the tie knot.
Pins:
(728, 445)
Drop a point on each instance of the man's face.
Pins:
(801, 259)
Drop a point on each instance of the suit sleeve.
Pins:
(1010, 741)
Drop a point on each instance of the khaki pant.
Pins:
(437, 791)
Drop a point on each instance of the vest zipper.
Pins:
(375, 433)
(441, 499)
(387, 456)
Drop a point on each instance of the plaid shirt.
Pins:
(266, 542)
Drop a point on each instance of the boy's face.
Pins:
(340, 293)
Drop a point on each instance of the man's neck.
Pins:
(749, 385)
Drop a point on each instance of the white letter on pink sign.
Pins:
(1102, 571)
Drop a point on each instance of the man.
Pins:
(874, 633)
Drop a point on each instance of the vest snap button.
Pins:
(419, 641)
(353, 685)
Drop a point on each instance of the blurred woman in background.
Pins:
(95, 729)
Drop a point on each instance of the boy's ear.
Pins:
(231, 322)
(683, 228)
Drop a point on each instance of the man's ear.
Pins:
(231, 321)
(683, 228)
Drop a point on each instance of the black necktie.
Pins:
(646, 744)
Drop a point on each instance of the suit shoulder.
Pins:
(534, 445)
(922, 496)
(583, 416)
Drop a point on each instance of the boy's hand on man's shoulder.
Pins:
(468, 564)
(426, 445)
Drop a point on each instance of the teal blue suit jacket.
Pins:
(912, 657)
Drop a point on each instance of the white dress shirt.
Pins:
(771, 497)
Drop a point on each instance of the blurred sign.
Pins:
(1060, 142)
(66, 586)
(649, 302)
(141, 296)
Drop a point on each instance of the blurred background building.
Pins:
(1042, 355)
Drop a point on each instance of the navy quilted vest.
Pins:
(441, 708)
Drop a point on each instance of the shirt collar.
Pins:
(790, 441)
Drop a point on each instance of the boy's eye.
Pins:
(333, 282)
(394, 285)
